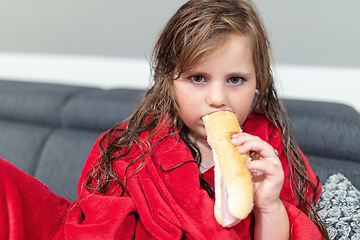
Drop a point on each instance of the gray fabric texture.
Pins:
(325, 167)
(21, 143)
(37, 103)
(340, 203)
(326, 129)
(62, 160)
(101, 109)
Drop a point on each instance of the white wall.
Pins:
(106, 44)
(333, 84)
(293, 81)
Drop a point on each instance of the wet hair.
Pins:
(193, 32)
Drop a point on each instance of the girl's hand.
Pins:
(271, 219)
(268, 175)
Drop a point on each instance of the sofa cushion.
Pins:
(325, 167)
(21, 143)
(62, 160)
(326, 129)
(100, 109)
(36, 103)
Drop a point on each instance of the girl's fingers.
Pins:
(264, 157)
(264, 166)
(270, 170)
(254, 145)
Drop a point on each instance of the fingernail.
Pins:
(256, 172)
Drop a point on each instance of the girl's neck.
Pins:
(207, 161)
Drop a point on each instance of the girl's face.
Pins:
(223, 80)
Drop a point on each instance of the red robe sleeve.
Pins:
(28, 209)
(301, 227)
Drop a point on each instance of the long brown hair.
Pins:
(195, 30)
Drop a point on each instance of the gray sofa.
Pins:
(48, 129)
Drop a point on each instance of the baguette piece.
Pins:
(233, 181)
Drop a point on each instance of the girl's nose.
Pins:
(216, 95)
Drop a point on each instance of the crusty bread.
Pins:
(229, 166)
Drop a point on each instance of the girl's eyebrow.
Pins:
(228, 75)
(196, 72)
(240, 74)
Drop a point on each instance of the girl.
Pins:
(152, 176)
(155, 171)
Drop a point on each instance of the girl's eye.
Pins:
(235, 80)
(197, 79)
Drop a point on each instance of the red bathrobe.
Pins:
(158, 204)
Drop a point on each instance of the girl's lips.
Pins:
(218, 110)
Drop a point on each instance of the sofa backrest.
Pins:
(329, 136)
(48, 130)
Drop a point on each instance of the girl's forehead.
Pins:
(217, 46)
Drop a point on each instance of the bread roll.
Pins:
(233, 181)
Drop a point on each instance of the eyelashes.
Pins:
(231, 80)
(236, 80)
(197, 78)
